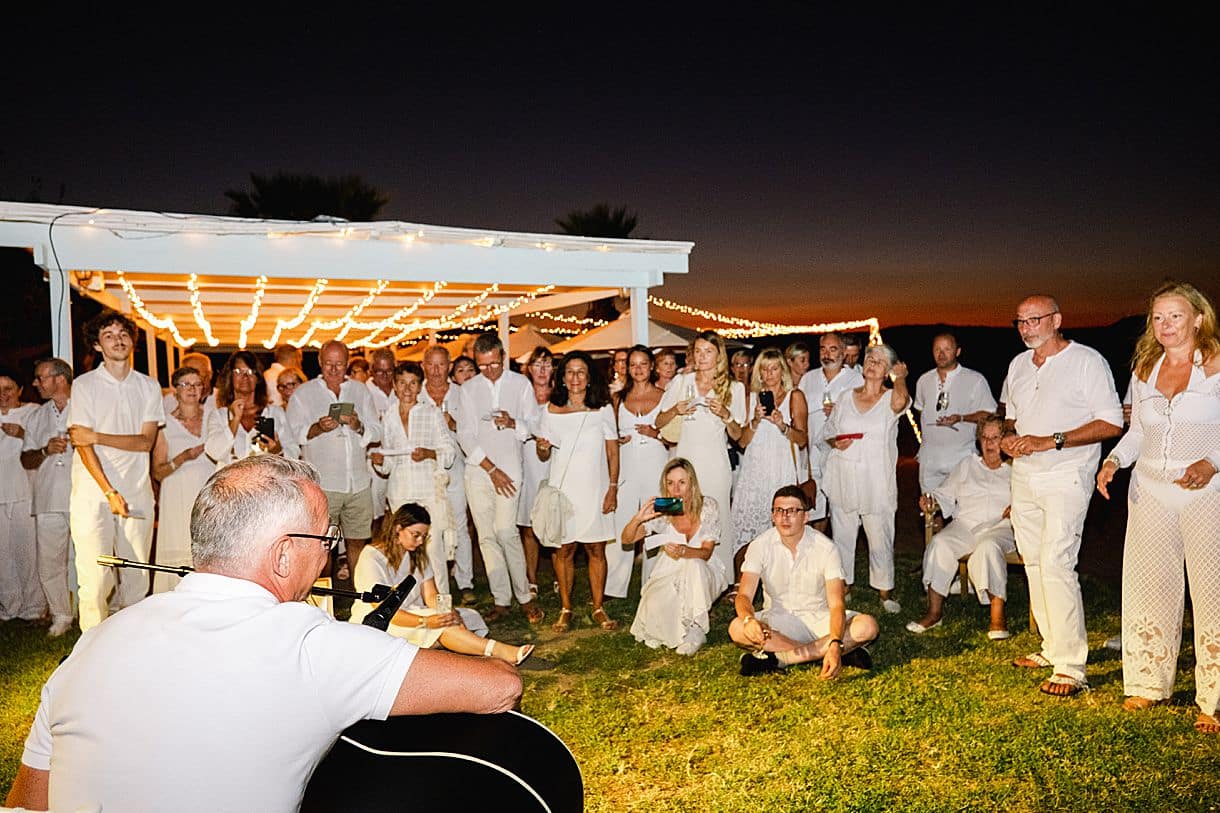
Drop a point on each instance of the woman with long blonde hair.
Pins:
(1173, 502)
(686, 578)
(712, 408)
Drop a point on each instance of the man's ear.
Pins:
(281, 557)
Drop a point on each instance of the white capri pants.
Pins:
(987, 568)
(495, 520)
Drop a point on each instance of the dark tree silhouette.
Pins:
(600, 221)
(289, 196)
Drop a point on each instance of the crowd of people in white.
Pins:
(732, 472)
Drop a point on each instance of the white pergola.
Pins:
(212, 282)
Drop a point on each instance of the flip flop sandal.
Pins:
(1058, 685)
(1032, 661)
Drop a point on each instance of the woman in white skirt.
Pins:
(577, 434)
(642, 455)
(179, 464)
(1173, 515)
(399, 551)
(686, 579)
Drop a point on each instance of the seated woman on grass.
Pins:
(401, 550)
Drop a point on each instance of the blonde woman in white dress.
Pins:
(179, 464)
(642, 455)
(401, 550)
(712, 408)
(686, 579)
(1173, 519)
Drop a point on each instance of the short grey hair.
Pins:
(239, 503)
(58, 367)
(891, 356)
(488, 342)
(382, 353)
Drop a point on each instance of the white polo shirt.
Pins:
(107, 405)
(338, 454)
(1071, 388)
(214, 696)
(51, 483)
(794, 584)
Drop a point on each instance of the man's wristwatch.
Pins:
(1060, 439)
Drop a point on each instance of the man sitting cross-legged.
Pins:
(803, 617)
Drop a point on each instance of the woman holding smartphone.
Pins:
(401, 551)
(683, 528)
(236, 431)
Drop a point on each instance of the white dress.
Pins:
(640, 461)
(533, 470)
(373, 568)
(679, 592)
(704, 442)
(579, 468)
(862, 479)
(178, 493)
(768, 463)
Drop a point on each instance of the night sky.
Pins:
(826, 167)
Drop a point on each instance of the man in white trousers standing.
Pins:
(1061, 404)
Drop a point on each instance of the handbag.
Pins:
(671, 432)
(552, 509)
(809, 486)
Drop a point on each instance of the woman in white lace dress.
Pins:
(712, 408)
(642, 455)
(686, 577)
(861, 470)
(773, 440)
(1173, 502)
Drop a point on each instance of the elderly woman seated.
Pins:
(976, 495)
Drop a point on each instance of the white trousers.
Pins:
(96, 531)
(1166, 526)
(54, 545)
(20, 594)
(463, 557)
(1048, 512)
(879, 528)
(495, 521)
(986, 566)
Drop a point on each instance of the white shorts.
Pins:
(800, 627)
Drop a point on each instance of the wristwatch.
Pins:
(1060, 439)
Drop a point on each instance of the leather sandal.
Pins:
(1136, 703)
(1059, 685)
(533, 613)
(1032, 661)
(602, 620)
(564, 622)
(1207, 724)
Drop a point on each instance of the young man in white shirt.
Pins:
(1061, 404)
(823, 388)
(803, 617)
(226, 692)
(491, 430)
(48, 454)
(951, 400)
(113, 419)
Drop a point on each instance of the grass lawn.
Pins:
(942, 723)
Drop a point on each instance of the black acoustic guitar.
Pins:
(508, 763)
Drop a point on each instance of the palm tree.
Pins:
(289, 196)
(600, 221)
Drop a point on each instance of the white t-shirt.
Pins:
(14, 482)
(1071, 388)
(107, 405)
(797, 584)
(964, 391)
(214, 696)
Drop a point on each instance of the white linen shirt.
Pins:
(107, 405)
(975, 494)
(477, 433)
(412, 481)
(815, 387)
(1071, 388)
(338, 454)
(14, 482)
(968, 391)
(794, 584)
(52, 483)
(214, 696)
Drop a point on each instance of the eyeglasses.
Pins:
(191, 386)
(495, 365)
(288, 385)
(786, 512)
(334, 535)
(243, 371)
(1032, 321)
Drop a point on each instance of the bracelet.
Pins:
(107, 494)
(173, 465)
(838, 641)
(1112, 459)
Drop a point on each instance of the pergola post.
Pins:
(639, 316)
(61, 316)
(504, 331)
(150, 344)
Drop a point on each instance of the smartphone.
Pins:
(767, 399)
(265, 427)
(340, 409)
(668, 505)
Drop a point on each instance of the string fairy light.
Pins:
(166, 323)
(192, 285)
(310, 301)
(260, 288)
(395, 320)
(344, 321)
(571, 320)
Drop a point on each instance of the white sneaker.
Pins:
(890, 606)
(59, 626)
